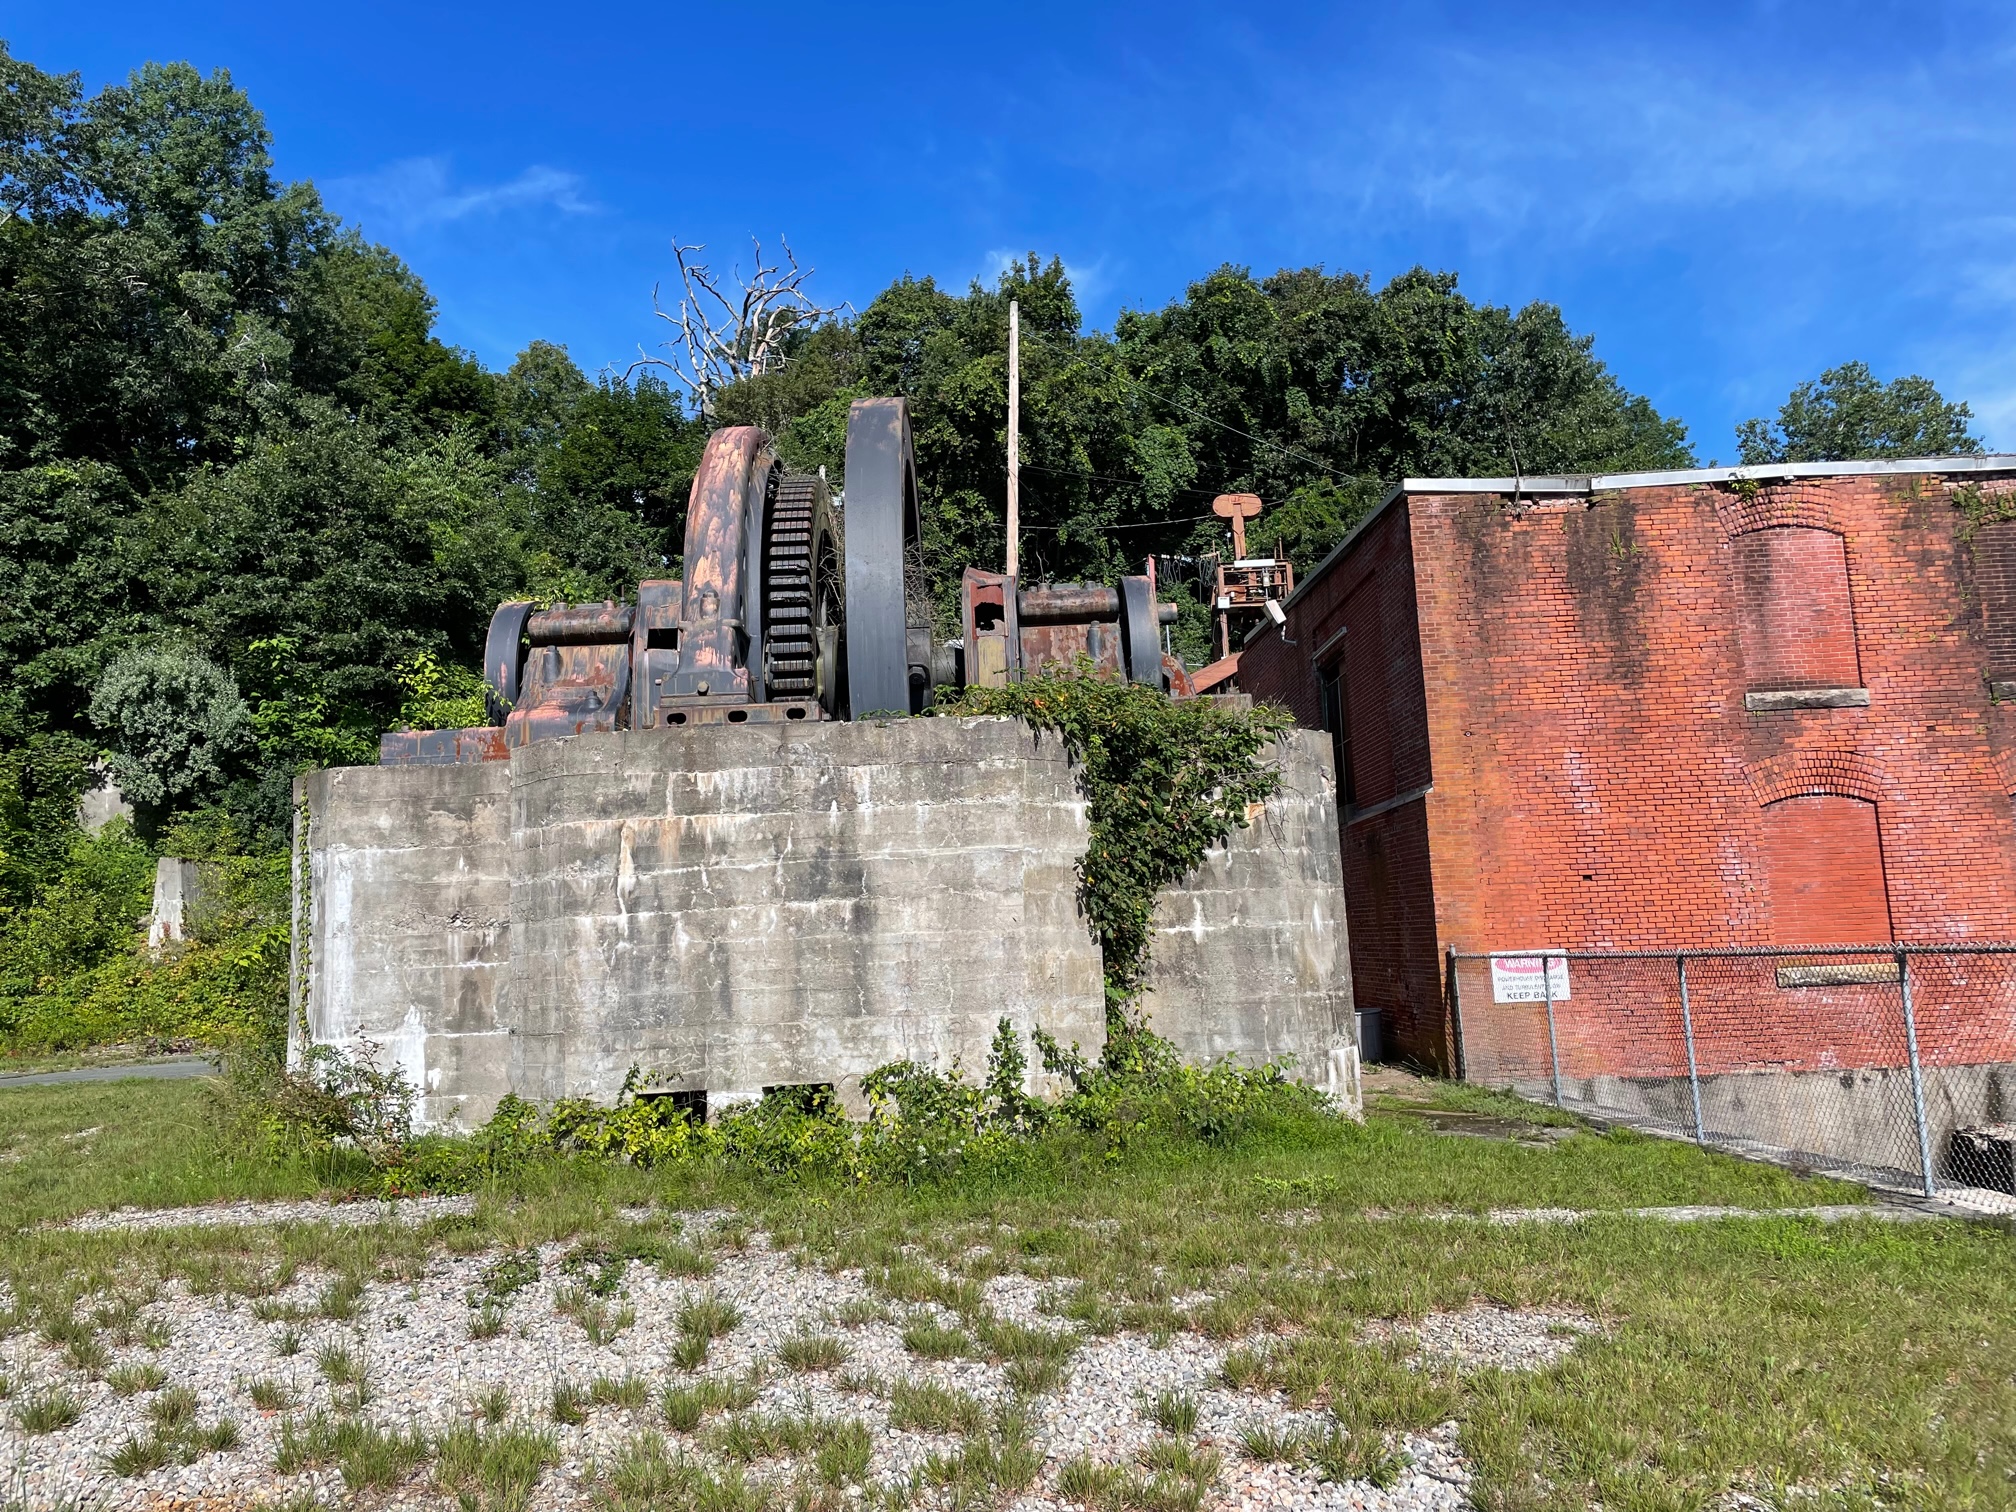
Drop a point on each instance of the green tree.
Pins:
(175, 723)
(1847, 414)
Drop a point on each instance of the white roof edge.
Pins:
(1591, 483)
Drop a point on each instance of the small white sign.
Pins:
(1516, 979)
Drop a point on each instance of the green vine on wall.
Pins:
(1165, 780)
(1980, 509)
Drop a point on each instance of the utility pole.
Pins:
(1014, 434)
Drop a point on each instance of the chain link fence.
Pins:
(1893, 1065)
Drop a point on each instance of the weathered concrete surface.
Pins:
(1250, 957)
(784, 904)
(404, 937)
(731, 908)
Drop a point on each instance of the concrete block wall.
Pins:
(402, 926)
(1250, 956)
(786, 904)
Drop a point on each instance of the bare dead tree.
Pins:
(728, 334)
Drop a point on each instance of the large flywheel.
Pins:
(888, 609)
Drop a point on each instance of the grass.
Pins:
(927, 1407)
(929, 1339)
(686, 1405)
(810, 1352)
(128, 1379)
(48, 1411)
(495, 1471)
(1830, 1365)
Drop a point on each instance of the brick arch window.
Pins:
(1823, 863)
(1798, 623)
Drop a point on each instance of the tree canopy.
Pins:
(240, 474)
(1847, 414)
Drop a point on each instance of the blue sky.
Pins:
(1730, 197)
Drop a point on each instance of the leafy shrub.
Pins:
(175, 722)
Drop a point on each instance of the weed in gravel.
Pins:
(570, 1404)
(1174, 1412)
(174, 1410)
(843, 1459)
(339, 1366)
(619, 1391)
(89, 1354)
(272, 1310)
(709, 1316)
(494, 1404)
(487, 1323)
(808, 1352)
(861, 1383)
(1244, 1369)
(685, 1405)
(288, 1344)
(270, 1396)
(1087, 1482)
(503, 1278)
(341, 1298)
(644, 1477)
(156, 1334)
(370, 1457)
(127, 1379)
(221, 1437)
(48, 1411)
(1018, 1341)
(689, 1352)
(492, 1472)
(1340, 1456)
(603, 1323)
(1268, 1445)
(1031, 1378)
(859, 1313)
(928, 1339)
(138, 1455)
(927, 1407)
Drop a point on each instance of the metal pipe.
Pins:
(581, 624)
(1553, 1047)
(1917, 1075)
(1693, 1073)
(1067, 604)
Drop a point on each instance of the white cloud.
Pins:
(418, 193)
(1088, 280)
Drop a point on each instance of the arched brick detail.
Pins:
(2005, 771)
(1797, 774)
(1775, 504)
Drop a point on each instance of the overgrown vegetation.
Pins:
(1165, 781)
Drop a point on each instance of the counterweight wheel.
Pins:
(801, 592)
(888, 621)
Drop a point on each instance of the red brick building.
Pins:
(1750, 706)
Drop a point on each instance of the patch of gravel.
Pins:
(259, 1214)
(1483, 1336)
(426, 1372)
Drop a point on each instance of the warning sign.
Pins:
(1516, 979)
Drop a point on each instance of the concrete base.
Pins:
(733, 908)
(1250, 959)
(1863, 1118)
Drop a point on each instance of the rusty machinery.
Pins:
(783, 614)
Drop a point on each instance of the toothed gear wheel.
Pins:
(801, 602)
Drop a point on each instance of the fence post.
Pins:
(1553, 1048)
(1693, 1072)
(1456, 1018)
(1917, 1074)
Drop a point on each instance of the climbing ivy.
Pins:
(1165, 779)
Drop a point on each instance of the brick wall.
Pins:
(1598, 781)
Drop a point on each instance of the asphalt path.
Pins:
(162, 1070)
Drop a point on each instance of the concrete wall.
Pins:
(731, 908)
(793, 903)
(404, 938)
(1250, 956)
